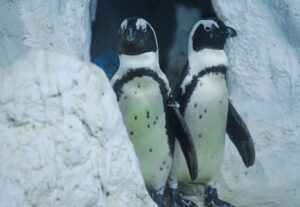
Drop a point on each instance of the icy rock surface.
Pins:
(264, 83)
(62, 138)
(55, 25)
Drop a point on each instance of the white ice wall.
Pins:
(264, 83)
(56, 25)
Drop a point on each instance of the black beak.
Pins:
(130, 34)
(231, 32)
(227, 32)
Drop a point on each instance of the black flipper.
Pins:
(184, 137)
(240, 135)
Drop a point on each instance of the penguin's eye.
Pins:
(207, 29)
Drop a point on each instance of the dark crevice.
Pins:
(161, 14)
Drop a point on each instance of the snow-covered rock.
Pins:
(264, 82)
(56, 25)
(62, 138)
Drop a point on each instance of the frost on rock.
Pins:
(62, 138)
(264, 82)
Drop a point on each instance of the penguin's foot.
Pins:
(178, 201)
(158, 198)
(211, 198)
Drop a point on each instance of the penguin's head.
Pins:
(210, 33)
(136, 36)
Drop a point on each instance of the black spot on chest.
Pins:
(140, 73)
(118, 87)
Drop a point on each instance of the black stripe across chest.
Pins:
(140, 73)
(118, 87)
(190, 87)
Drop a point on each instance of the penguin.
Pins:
(204, 103)
(150, 114)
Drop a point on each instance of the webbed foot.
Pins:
(158, 197)
(211, 198)
(177, 200)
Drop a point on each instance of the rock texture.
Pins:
(264, 81)
(56, 25)
(62, 138)
(62, 143)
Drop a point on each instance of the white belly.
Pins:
(206, 117)
(143, 112)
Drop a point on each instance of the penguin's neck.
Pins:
(146, 60)
(206, 58)
(202, 60)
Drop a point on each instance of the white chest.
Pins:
(206, 111)
(206, 117)
(142, 107)
(207, 99)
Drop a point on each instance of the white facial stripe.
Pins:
(141, 24)
(209, 23)
(124, 24)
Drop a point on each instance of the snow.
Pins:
(62, 137)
